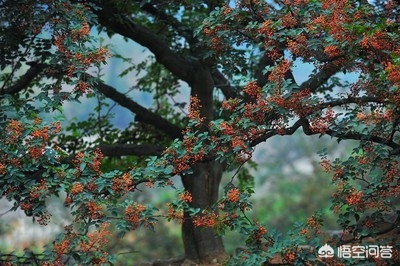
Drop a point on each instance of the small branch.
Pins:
(4, 213)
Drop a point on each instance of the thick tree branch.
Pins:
(25, 80)
(387, 227)
(350, 135)
(123, 25)
(272, 132)
(315, 81)
(223, 84)
(171, 21)
(141, 114)
(349, 100)
(303, 122)
(116, 150)
(262, 78)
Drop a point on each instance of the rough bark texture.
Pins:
(202, 244)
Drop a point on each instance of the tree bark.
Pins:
(202, 245)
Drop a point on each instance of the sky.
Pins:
(111, 72)
(137, 53)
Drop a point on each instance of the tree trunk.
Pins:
(202, 245)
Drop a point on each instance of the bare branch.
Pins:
(315, 81)
(25, 80)
(141, 114)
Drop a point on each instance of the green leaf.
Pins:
(82, 166)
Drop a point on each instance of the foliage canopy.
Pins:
(237, 57)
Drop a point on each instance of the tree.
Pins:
(247, 51)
